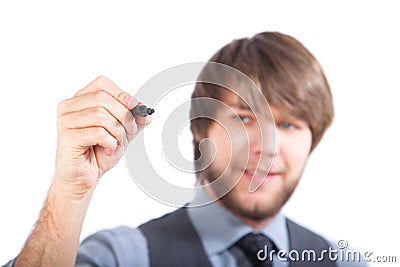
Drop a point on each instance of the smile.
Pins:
(259, 175)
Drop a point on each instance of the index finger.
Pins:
(105, 84)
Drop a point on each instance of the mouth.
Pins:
(259, 175)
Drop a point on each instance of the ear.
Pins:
(197, 136)
(200, 131)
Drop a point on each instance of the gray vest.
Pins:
(173, 241)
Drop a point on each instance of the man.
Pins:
(253, 172)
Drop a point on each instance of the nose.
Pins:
(264, 140)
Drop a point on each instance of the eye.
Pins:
(287, 125)
(244, 119)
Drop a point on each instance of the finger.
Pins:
(87, 137)
(96, 104)
(103, 83)
(141, 123)
(94, 117)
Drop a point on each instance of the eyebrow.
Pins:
(239, 104)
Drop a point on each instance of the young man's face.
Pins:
(239, 155)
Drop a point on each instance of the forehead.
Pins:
(237, 102)
(234, 100)
(247, 100)
(255, 100)
(235, 105)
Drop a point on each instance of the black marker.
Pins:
(142, 111)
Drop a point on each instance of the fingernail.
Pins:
(130, 101)
(134, 102)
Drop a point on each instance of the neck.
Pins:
(255, 223)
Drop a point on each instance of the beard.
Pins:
(257, 211)
(227, 191)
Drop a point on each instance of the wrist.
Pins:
(72, 191)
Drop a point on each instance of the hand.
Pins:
(93, 127)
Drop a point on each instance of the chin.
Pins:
(255, 206)
(262, 204)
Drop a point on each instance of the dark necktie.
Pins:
(257, 249)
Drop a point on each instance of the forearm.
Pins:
(92, 129)
(55, 238)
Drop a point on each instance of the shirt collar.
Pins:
(219, 229)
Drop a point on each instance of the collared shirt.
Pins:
(217, 228)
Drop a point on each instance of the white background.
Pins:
(49, 50)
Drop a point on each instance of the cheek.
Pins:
(230, 142)
(296, 149)
(222, 144)
(223, 152)
(299, 152)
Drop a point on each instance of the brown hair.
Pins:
(290, 77)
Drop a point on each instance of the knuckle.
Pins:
(121, 95)
(60, 122)
(101, 133)
(61, 106)
(102, 80)
(99, 94)
(98, 113)
(102, 97)
(117, 131)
